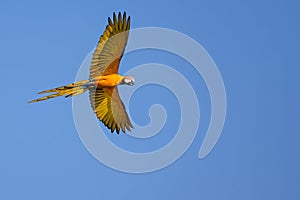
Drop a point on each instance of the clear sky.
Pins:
(255, 45)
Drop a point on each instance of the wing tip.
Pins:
(117, 16)
(119, 129)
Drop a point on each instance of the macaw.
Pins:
(104, 78)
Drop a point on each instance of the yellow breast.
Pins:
(108, 80)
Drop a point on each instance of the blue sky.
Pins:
(255, 46)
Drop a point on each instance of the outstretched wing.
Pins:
(110, 48)
(110, 109)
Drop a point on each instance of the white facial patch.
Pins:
(127, 80)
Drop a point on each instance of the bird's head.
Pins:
(128, 80)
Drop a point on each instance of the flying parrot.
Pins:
(104, 78)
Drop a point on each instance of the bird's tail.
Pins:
(69, 90)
